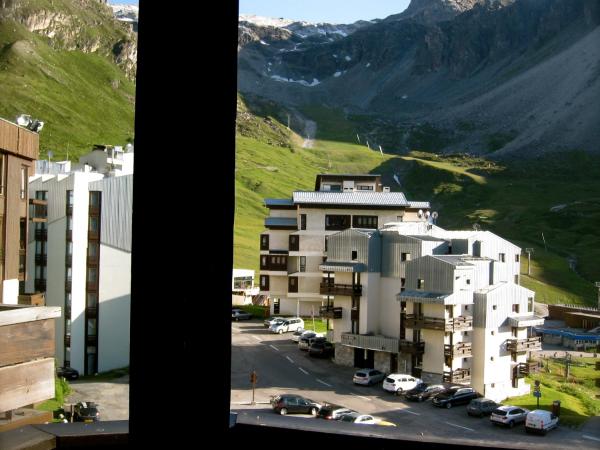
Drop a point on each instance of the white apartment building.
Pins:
(294, 243)
(406, 295)
(242, 287)
(81, 259)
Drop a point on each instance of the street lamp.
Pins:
(529, 252)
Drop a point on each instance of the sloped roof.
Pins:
(351, 198)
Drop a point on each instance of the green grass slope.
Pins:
(83, 98)
(512, 200)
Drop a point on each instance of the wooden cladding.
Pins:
(26, 341)
(26, 383)
(18, 140)
(330, 312)
(460, 323)
(419, 322)
(460, 350)
(524, 345)
(411, 347)
(523, 369)
(326, 288)
(457, 376)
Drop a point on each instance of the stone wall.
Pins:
(381, 361)
(344, 355)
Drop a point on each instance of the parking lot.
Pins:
(282, 368)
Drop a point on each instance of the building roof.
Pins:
(422, 297)
(281, 222)
(393, 199)
(424, 237)
(585, 315)
(571, 334)
(525, 321)
(342, 266)
(458, 260)
(419, 204)
(279, 202)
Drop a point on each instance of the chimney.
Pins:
(386, 189)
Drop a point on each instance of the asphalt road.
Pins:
(111, 396)
(282, 368)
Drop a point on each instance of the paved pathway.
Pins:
(112, 396)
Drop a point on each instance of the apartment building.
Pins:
(242, 287)
(443, 305)
(81, 258)
(294, 243)
(19, 148)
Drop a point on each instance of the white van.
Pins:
(540, 421)
(291, 324)
(399, 382)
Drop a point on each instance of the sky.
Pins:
(123, 2)
(331, 11)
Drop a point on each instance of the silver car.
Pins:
(509, 415)
(272, 320)
(368, 376)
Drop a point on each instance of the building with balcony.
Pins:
(242, 287)
(81, 258)
(294, 242)
(443, 305)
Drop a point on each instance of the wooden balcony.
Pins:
(421, 322)
(326, 288)
(412, 348)
(460, 323)
(35, 299)
(379, 343)
(38, 210)
(524, 345)
(521, 370)
(26, 354)
(459, 376)
(330, 312)
(461, 350)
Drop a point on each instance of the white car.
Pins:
(291, 324)
(399, 382)
(540, 421)
(508, 415)
(364, 419)
(296, 335)
(272, 320)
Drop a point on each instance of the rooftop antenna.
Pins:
(529, 251)
(434, 216)
(476, 227)
(420, 213)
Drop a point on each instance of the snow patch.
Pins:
(337, 74)
(265, 21)
(335, 56)
(368, 64)
(340, 32)
(404, 97)
(291, 80)
(347, 58)
(263, 42)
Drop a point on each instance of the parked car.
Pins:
(272, 320)
(238, 314)
(364, 419)
(297, 334)
(508, 415)
(294, 404)
(291, 324)
(86, 412)
(398, 383)
(320, 347)
(480, 407)
(455, 396)
(307, 339)
(423, 391)
(332, 411)
(67, 372)
(368, 376)
(540, 421)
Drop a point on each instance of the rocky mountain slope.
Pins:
(506, 78)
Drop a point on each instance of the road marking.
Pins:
(290, 359)
(360, 396)
(585, 436)
(470, 429)
(322, 382)
(303, 371)
(273, 347)
(410, 412)
(258, 339)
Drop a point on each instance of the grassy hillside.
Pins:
(511, 199)
(83, 98)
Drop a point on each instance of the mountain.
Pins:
(505, 78)
(71, 64)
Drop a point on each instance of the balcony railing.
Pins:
(38, 210)
(412, 348)
(429, 323)
(35, 299)
(331, 312)
(459, 376)
(523, 369)
(524, 345)
(460, 323)
(461, 350)
(326, 288)
(41, 235)
(380, 343)
(41, 260)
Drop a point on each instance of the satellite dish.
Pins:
(434, 215)
(23, 120)
(37, 126)
(427, 214)
(420, 213)
(476, 227)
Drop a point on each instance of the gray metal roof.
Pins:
(525, 321)
(279, 202)
(342, 266)
(281, 222)
(459, 260)
(351, 198)
(425, 238)
(422, 296)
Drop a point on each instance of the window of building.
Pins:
(69, 248)
(303, 264)
(264, 242)
(69, 273)
(92, 249)
(515, 308)
(70, 223)
(405, 257)
(68, 326)
(364, 222)
(92, 275)
(493, 385)
(94, 199)
(364, 187)
(354, 255)
(517, 257)
(494, 307)
(420, 283)
(501, 257)
(491, 358)
(466, 307)
(69, 198)
(326, 239)
(514, 331)
(493, 333)
(91, 327)
(465, 333)
(303, 221)
(23, 182)
(530, 304)
(93, 223)
(91, 300)
(337, 222)
(41, 195)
